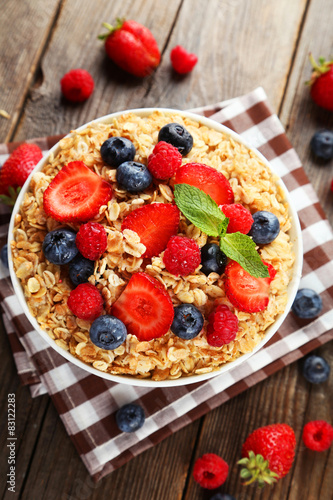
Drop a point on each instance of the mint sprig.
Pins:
(200, 209)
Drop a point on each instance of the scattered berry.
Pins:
(322, 83)
(59, 246)
(321, 144)
(80, 269)
(108, 332)
(209, 180)
(210, 471)
(307, 304)
(4, 255)
(316, 369)
(181, 60)
(222, 496)
(145, 307)
(155, 224)
(240, 219)
(187, 322)
(164, 161)
(76, 194)
(91, 240)
(85, 302)
(265, 227)
(182, 256)
(222, 326)
(318, 435)
(133, 176)
(213, 260)
(117, 150)
(178, 136)
(132, 47)
(77, 85)
(130, 418)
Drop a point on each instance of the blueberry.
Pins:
(80, 269)
(130, 417)
(265, 227)
(307, 304)
(178, 136)
(133, 176)
(108, 332)
(187, 322)
(59, 246)
(322, 144)
(116, 150)
(316, 369)
(222, 496)
(213, 260)
(4, 255)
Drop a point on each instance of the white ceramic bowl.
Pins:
(295, 234)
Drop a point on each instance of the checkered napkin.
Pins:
(87, 404)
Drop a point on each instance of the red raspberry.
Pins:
(77, 85)
(182, 256)
(164, 161)
(85, 302)
(210, 471)
(222, 326)
(241, 219)
(181, 60)
(318, 435)
(91, 240)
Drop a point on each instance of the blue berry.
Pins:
(130, 417)
(213, 260)
(59, 246)
(4, 255)
(307, 304)
(222, 496)
(80, 269)
(178, 136)
(265, 227)
(133, 176)
(108, 332)
(322, 145)
(116, 150)
(316, 369)
(187, 322)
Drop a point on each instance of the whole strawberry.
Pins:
(132, 47)
(322, 83)
(268, 454)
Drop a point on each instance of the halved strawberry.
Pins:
(155, 224)
(208, 180)
(76, 194)
(246, 292)
(145, 307)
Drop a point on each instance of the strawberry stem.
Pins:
(256, 469)
(111, 29)
(10, 199)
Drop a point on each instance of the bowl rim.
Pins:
(294, 232)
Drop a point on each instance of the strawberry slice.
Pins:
(145, 307)
(155, 224)
(208, 180)
(76, 194)
(246, 292)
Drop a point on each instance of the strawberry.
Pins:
(16, 170)
(132, 47)
(208, 180)
(244, 291)
(155, 224)
(76, 194)
(322, 83)
(268, 454)
(145, 307)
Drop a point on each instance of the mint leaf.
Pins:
(223, 226)
(242, 249)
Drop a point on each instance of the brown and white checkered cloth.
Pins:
(87, 404)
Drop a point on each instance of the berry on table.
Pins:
(117, 150)
(85, 302)
(130, 417)
(4, 255)
(187, 322)
(210, 471)
(222, 326)
(222, 496)
(77, 85)
(108, 332)
(318, 435)
(213, 260)
(80, 269)
(321, 144)
(182, 61)
(307, 304)
(316, 369)
(240, 218)
(182, 256)
(164, 161)
(265, 227)
(133, 176)
(178, 136)
(322, 83)
(91, 240)
(59, 246)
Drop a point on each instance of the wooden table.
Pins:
(241, 44)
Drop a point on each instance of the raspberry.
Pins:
(210, 471)
(181, 60)
(164, 161)
(318, 435)
(182, 256)
(85, 302)
(91, 240)
(77, 85)
(222, 326)
(240, 219)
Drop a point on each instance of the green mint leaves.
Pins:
(200, 209)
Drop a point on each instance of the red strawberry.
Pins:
(322, 83)
(144, 307)
(208, 180)
(275, 443)
(181, 60)
(132, 47)
(76, 194)
(155, 224)
(244, 291)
